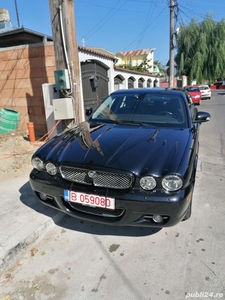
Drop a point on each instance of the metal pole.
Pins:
(17, 14)
(171, 65)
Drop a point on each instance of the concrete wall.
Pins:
(23, 70)
(126, 74)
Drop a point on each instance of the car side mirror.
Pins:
(202, 117)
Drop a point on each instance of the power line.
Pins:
(148, 31)
(100, 24)
(146, 22)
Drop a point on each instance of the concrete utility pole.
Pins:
(171, 64)
(66, 50)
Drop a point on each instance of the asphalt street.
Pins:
(47, 255)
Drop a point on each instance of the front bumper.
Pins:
(133, 207)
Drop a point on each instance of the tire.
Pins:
(188, 212)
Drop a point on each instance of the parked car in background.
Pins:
(195, 93)
(132, 162)
(219, 84)
(205, 91)
(188, 97)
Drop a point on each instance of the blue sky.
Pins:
(117, 25)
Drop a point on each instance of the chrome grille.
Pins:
(75, 175)
(112, 180)
(101, 179)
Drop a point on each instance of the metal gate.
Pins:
(94, 81)
(179, 83)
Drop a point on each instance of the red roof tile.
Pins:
(132, 53)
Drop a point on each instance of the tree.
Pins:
(201, 50)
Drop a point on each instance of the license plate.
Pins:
(89, 200)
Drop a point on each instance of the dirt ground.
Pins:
(15, 154)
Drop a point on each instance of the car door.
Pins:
(195, 141)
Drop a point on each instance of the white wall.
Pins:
(112, 73)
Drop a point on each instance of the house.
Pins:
(12, 36)
(134, 58)
(102, 50)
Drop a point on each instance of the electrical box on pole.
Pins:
(63, 109)
(62, 79)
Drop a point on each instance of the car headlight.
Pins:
(197, 96)
(51, 169)
(172, 183)
(148, 183)
(37, 163)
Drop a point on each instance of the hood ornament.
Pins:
(92, 174)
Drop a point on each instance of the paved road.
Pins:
(65, 258)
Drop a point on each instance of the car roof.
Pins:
(166, 91)
(191, 86)
(139, 90)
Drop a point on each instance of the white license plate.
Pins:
(89, 200)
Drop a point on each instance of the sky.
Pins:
(117, 25)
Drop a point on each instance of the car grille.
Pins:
(97, 211)
(99, 178)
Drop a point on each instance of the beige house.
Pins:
(136, 57)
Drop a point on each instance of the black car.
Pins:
(133, 162)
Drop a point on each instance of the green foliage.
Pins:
(201, 50)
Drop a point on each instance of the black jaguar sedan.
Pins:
(132, 162)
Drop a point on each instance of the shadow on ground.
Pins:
(28, 198)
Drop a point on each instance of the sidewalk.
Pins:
(23, 219)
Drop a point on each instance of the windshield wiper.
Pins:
(146, 124)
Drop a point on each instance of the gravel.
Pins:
(15, 154)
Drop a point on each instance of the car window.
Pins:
(149, 108)
(204, 87)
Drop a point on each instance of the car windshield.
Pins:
(192, 89)
(142, 109)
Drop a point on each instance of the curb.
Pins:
(19, 249)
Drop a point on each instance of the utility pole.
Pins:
(66, 49)
(171, 64)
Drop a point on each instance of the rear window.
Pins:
(204, 87)
(192, 89)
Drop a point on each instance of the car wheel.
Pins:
(188, 212)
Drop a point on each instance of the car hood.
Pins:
(139, 149)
